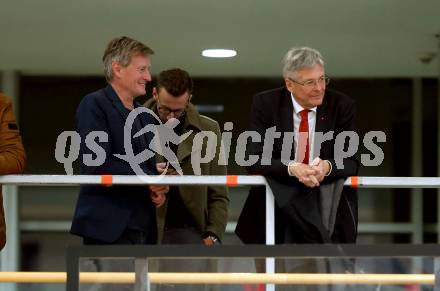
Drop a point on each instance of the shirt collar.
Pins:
(298, 108)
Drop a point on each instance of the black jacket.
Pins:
(296, 204)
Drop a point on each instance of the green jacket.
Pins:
(208, 204)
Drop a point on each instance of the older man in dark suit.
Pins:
(307, 108)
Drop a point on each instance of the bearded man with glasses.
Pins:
(191, 214)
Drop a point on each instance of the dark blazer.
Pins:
(103, 213)
(296, 204)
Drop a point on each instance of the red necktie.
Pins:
(303, 140)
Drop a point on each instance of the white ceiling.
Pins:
(357, 37)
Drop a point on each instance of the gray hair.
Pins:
(121, 50)
(300, 57)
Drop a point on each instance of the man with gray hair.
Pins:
(307, 108)
(117, 214)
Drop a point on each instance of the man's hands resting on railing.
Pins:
(310, 175)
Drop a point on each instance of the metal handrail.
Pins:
(220, 278)
(233, 180)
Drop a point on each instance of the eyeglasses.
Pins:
(167, 111)
(311, 83)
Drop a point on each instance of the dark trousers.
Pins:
(128, 237)
(184, 235)
(314, 266)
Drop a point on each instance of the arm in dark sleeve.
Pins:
(90, 117)
(260, 120)
(346, 122)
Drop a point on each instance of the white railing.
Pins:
(241, 180)
(232, 181)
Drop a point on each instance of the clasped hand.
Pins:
(310, 175)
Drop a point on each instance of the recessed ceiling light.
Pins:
(219, 53)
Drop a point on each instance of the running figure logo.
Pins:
(164, 135)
